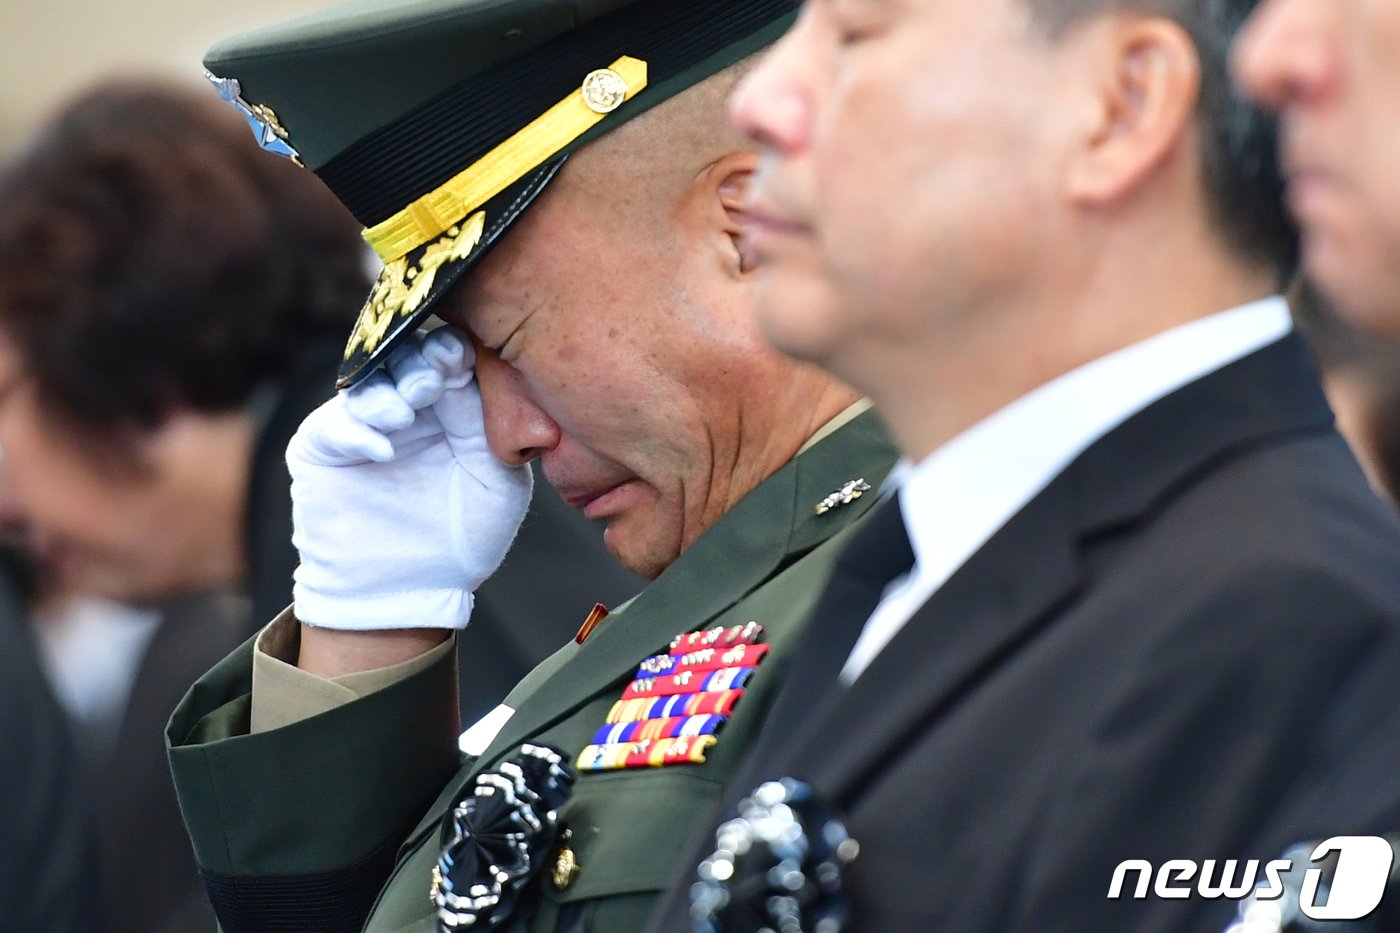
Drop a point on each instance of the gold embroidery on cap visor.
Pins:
(402, 288)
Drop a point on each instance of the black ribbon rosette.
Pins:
(777, 867)
(502, 832)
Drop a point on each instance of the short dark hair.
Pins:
(154, 259)
(1239, 142)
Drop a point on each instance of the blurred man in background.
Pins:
(1146, 597)
(1361, 373)
(1329, 69)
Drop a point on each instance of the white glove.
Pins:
(399, 509)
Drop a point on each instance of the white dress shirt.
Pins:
(960, 495)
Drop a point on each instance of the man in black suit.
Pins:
(1133, 596)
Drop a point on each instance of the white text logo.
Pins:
(1357, 884)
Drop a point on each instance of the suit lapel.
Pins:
(997, 601)
(1021, 580)
(773, 525)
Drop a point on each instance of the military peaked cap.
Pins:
(437, 122)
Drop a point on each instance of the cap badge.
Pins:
(604, 90)
(847, 494)
(263, 122)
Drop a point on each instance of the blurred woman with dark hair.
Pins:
(173, 302)
(167, 292)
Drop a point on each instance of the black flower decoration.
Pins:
(776, 868)
(502, 830)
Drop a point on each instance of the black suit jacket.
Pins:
(46, 857)
(146, 878)
(1164, 655)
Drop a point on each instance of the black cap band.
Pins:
(400, 162)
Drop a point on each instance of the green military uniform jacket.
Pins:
(318, 824)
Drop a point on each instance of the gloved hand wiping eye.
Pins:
(399, 508)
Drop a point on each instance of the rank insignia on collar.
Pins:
(847, 494)
(263, 122)
(674, 709)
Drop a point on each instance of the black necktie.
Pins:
(877, 553)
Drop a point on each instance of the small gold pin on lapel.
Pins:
(847, 494)
(604, 90)
(566, 866)
(437, 885)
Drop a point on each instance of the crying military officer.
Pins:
(556, 181)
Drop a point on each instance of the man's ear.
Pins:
(721, 203)
(1147, 91)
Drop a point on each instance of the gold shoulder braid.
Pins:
(401, 288)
